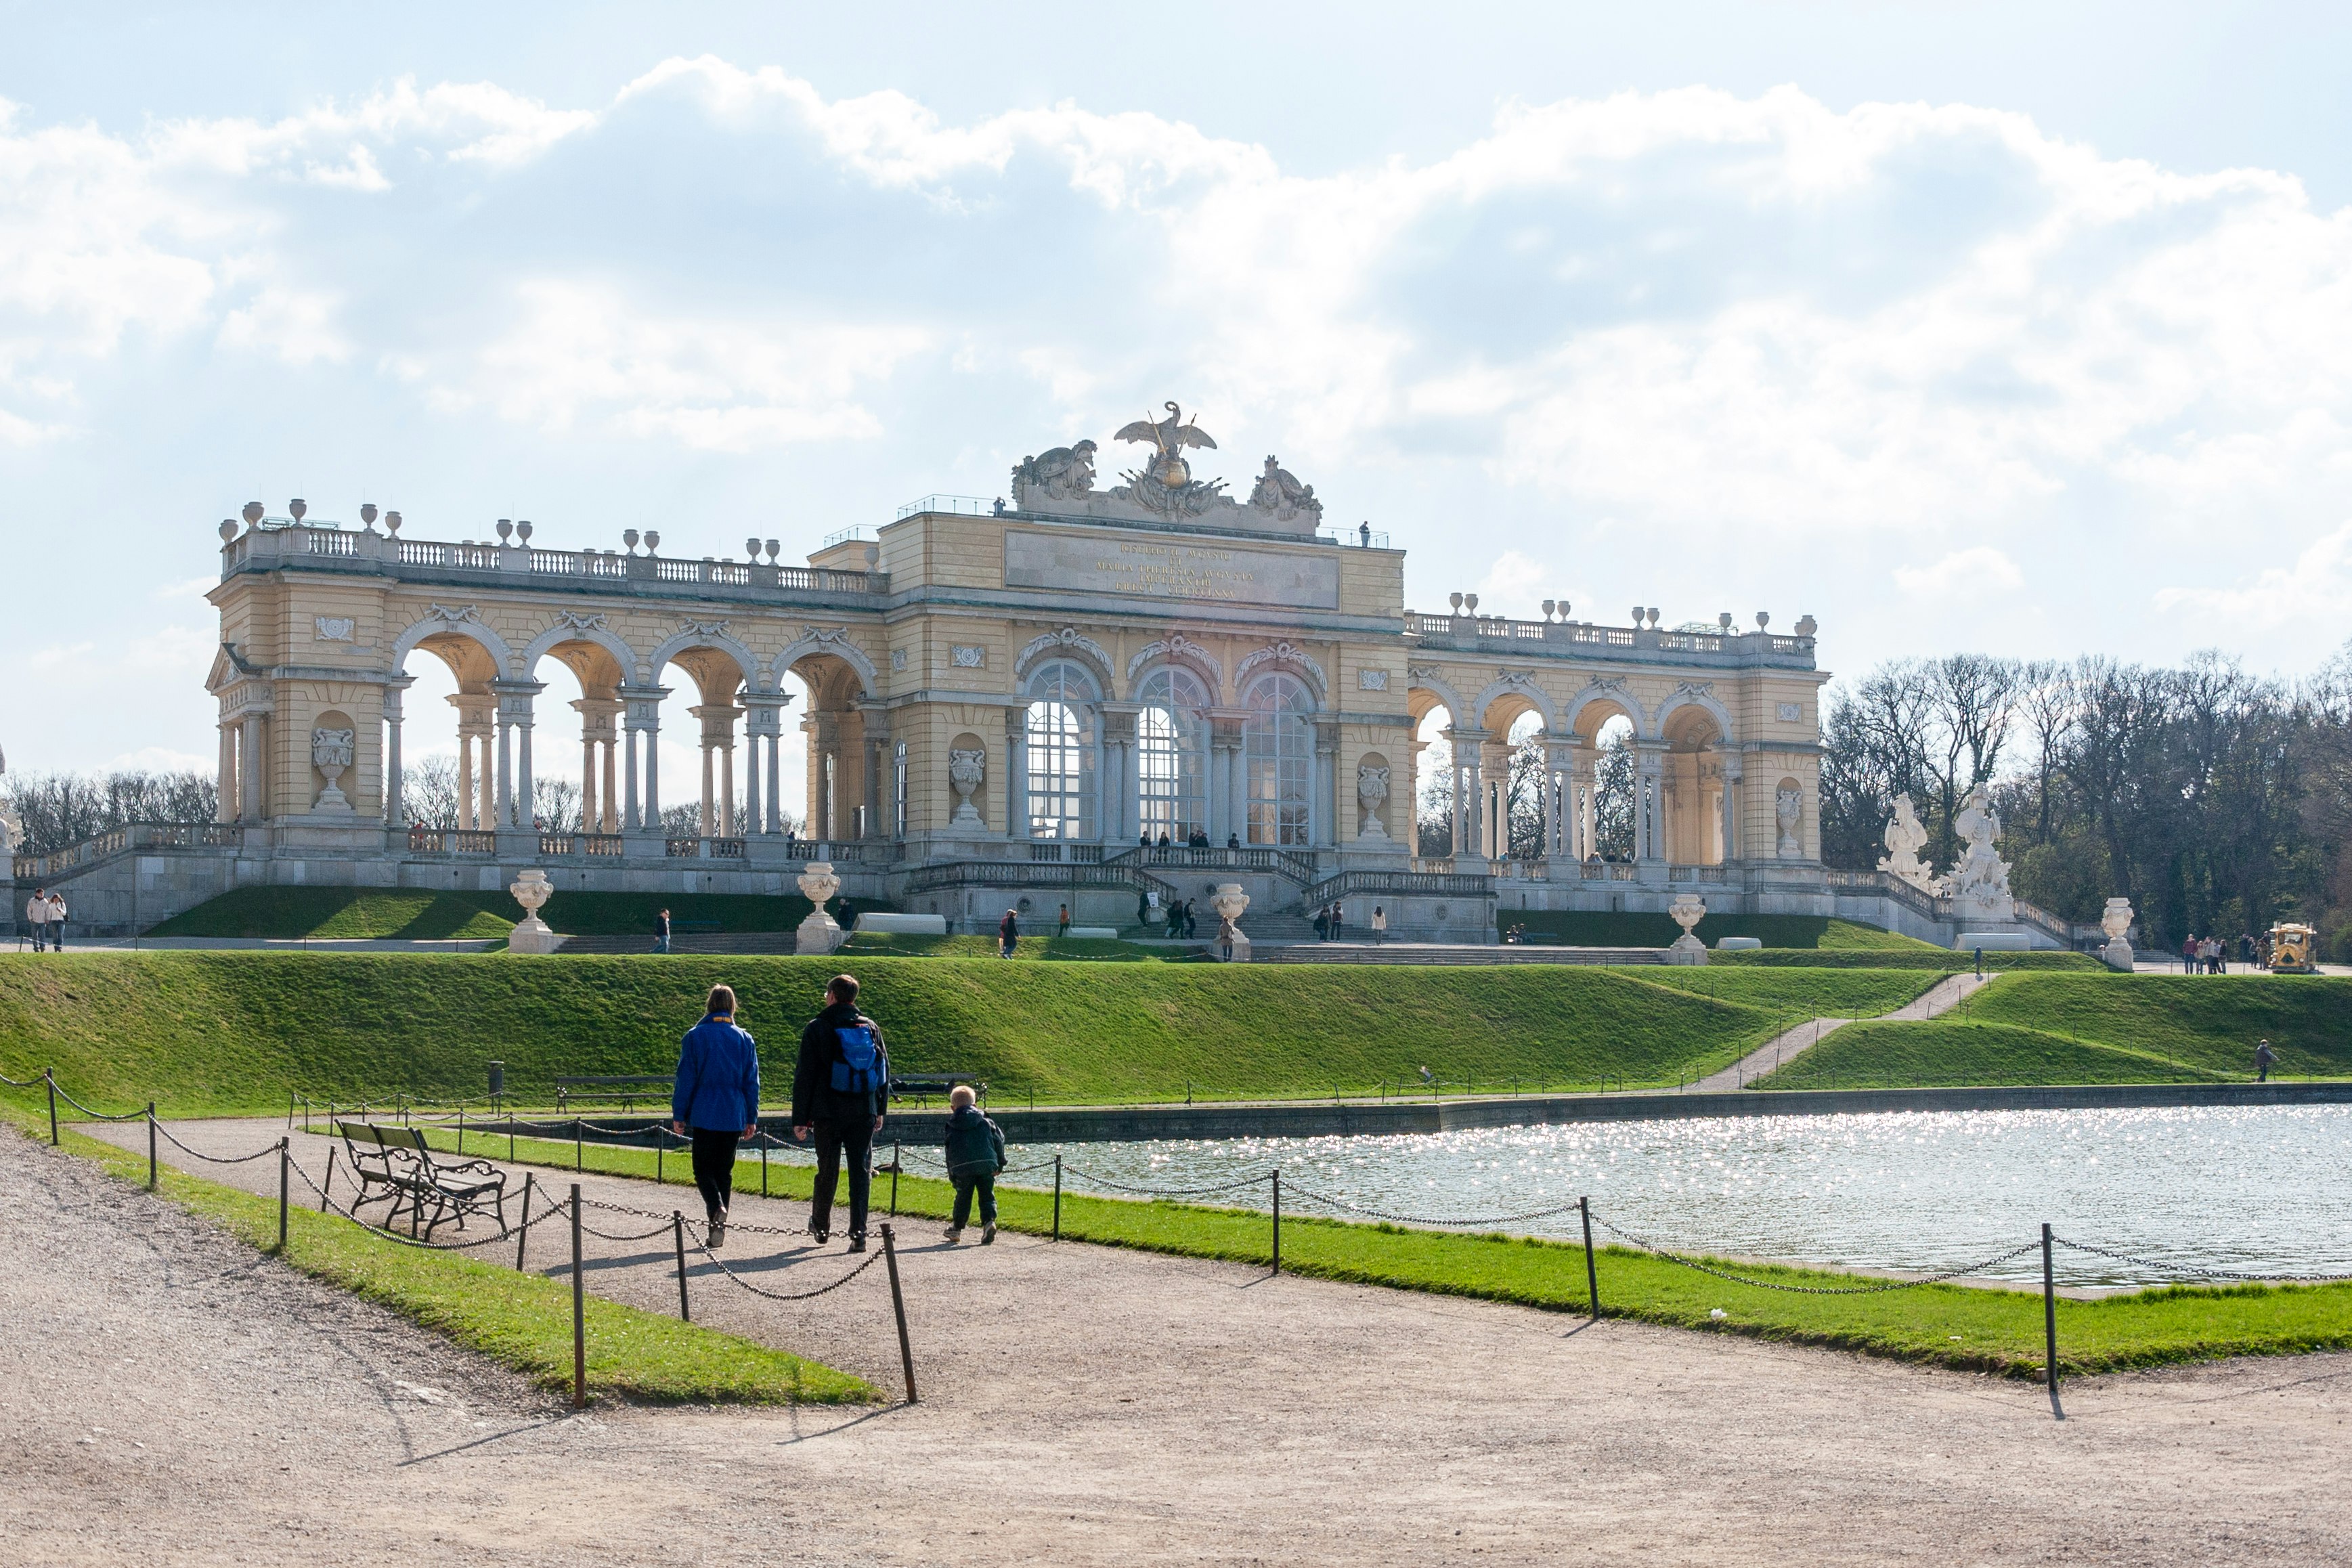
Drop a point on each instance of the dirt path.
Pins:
(1785, 1047)
(1080, 1405)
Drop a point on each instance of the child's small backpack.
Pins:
(862, 1068)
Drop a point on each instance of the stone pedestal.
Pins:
(2116, 920)
(1229, 900)
(1687, 911)
(532, 890)
(820, 934)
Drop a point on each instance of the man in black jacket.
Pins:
(841, 1101)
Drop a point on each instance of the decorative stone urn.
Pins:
(330, 753)
(1687, 911)
(532, 890)
(820, 934)
(1787, 815)
(966, 772)
(1371, 790)
(1229, 900)
(2115, 920)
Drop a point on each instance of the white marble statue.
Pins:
(1371, 789)
(2115, 920)
(330, 753)
(1979, 883)
(1687, 911)
(820, 934)
(1788, 813)
(966, 771)
(1905, 836)
(532, 890)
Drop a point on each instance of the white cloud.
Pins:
(1517, 583)
(294, 325)
(1963, 575)
(2314, 595)
(159, 760)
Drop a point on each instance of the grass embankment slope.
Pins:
(1950, 1325)
(208, 1032)
(2097, 1028)
(522, 1322)
(1581, 928)
(417, 914)
(863, 944)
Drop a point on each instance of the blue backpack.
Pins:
(862, 1068)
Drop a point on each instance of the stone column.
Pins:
(1558, 758)
(876, 738)
(776, 777)
(1649, 843)
(1494, 767)
(248, 768)
(396, 813)
(610, 819)
(641, 777)
(226, 791)
(1469, 792)
(763, 727)
(1584, 781)
(1323, 806)
(1413, 746)
(1016, 772)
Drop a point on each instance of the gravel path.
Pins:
(1785, 1047)
(1080, 1405)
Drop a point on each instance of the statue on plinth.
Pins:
(820, 934)
(1229, 900)
(2115, 920)
(1687, 911)
(966, 772)
(532, 890)
(1979, 883)
(1371, 790)
(330, 752)
(1905, 836)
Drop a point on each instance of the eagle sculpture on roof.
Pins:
(1168, 437)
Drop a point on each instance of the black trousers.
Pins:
(837, 1141)
(967, 1184)
(714, 1167)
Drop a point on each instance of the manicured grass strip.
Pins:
(210, 1033)
(1030, 948)
(521, 1320)
(419, 913)
(1922, 957)
(1593, 928)
(1800, 994)
(1947, 1325)
(1874, 1054)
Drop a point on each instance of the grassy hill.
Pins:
(2105, 1028)
(417, 913)
(1921, 957)
(226, 1031)
(1581, 928)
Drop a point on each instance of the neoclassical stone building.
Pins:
(1003, 698)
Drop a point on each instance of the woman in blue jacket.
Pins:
(718, 1097)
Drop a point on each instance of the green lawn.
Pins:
(1921, 957)
(1579, 927)
(2098, 1028)
(1067, 949)
(1950, 1325)
(419, 913)
(521, 1320)
(205, 1032)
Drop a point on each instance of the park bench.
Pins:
(628, 1090)
(922, 1086)
(398, 1160)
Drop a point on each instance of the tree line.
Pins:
(56, 811)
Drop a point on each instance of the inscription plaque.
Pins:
(1151, 569)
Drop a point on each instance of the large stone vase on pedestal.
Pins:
(820, 934)
(1687, 911)
(532, 890)
(2116, 920)
(1229, 901)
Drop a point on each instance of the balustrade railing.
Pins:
(1482, 632)
(517, 560)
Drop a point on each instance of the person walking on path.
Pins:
(56, 923)
(840, 1091)
(1062, 928)
(2264, 1057)
(661, 932)
(715, 1100)
(975, 1153)
(37, 916)
(1339, 918)
(1008, 934)
(1380, 924)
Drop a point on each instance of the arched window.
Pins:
(1278, 758)
(1170, 797)
(1061, 751)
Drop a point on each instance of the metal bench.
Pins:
(922, 1086)
(398, 1160)
(628, 1090)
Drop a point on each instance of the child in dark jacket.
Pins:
(975, 1153)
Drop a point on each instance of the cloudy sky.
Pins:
(1987, 330)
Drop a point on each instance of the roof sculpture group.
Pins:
(1162, 488)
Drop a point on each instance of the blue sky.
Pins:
(1976, 328)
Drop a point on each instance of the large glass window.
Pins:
(1169, 797)
(1061, 751)
(1279, 757)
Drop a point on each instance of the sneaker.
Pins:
(856, 1243)
(955, 1235)
(987, 1233)
(717, 1232)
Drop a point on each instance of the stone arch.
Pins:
(688, 639)
(1421, 679)
(1690, 697)
(1072, 644)
(1610, 694)
(1177, 650)
(837, 645)
(1509, 698)
(1286, 655)
(580, 629)
(463, 626)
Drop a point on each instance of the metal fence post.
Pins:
(578, 1314)
(289, 1107)
(523, 1239)
(326, 1186)
(1592, 1274)
(285, 1166)
(49, 1076)
(898, 1309)
(1057, 1197)
(678, 1230)
(2049, 1312)
(1277, 1219)
(151, 1145)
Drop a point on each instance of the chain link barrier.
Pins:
(215, 1159)
(1947, 1275)
(138, 1115)
(703, 1246)
(1430, 1220)
(2221, 1274)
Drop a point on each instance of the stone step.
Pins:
(1312, 951)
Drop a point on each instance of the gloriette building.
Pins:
(1005, 699)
